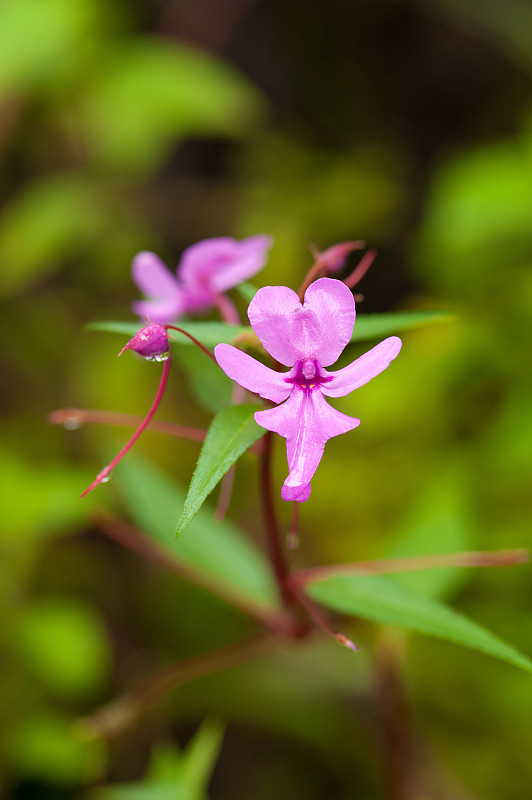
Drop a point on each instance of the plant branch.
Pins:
(479, 558)
(192, 339)
(139, 542)
(277, 559)
(73, 418)
(106, 471)
(118, 715)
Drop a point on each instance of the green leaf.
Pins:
(161, 91)
(41, 41)
(50, 219)
(141, 790)
(208, 333)
(210, 385)
(64, 646)
(440, 520)
(173, 775)
(43, 745)
(373, 326)
(246, 291)
(230, 434)
(387, 602)
(199, 758)
(369, 326)
(216, 550)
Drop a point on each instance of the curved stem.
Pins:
(192, 339)
(360, 270)
(277, 559)
(323, 264)
(121, 713)
(292, 539)
(227, 310)
(104, 474)
(316, 615)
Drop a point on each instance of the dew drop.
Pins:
(106, 478)
(292, 540)
(72, 424)
(159, 357)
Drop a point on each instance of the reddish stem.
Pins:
(315, 613)
(227, 310)
(481, 558)
(192, 339)
(320, 266)
(143, 425)
(292, 540)
(277, 560)
(360, 270)
(121, 713)
(75, 417)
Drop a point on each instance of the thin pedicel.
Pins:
(151, 342)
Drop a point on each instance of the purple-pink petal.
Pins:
(307, 421)
(249, 258)
(162, 310)
(217, 265)
(251, 374)
(320, 328)
(152, 276)
(362, 370)
(334, 306)
(271, 313)
(165, 296)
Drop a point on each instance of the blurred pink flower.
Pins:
(206, 270)
(307, 338)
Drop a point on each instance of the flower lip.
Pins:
(307, 374)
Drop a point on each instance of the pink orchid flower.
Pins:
(205, 272)
(307, 338)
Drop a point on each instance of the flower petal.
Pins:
(152, 276)
(362, 370)
(271, 313)
(251, 374)
(307, 421)
(154, 279)
(334, 306)
(249, 258)
(216, 265)
(164, 310)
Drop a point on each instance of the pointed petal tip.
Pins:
(299, 493)
(345, 641)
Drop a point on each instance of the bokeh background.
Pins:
(151, 125)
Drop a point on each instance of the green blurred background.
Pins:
(151, 125)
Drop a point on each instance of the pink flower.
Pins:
(206, 270)
(307, 338)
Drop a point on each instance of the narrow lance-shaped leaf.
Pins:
(216, 550)
(232, 431)
(373, 326)
(208, 333)
(384, 601)
(367, 326)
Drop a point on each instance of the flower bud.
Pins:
(150, 342)
(335, 257)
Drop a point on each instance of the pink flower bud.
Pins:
(150, 342)
(334, 258)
